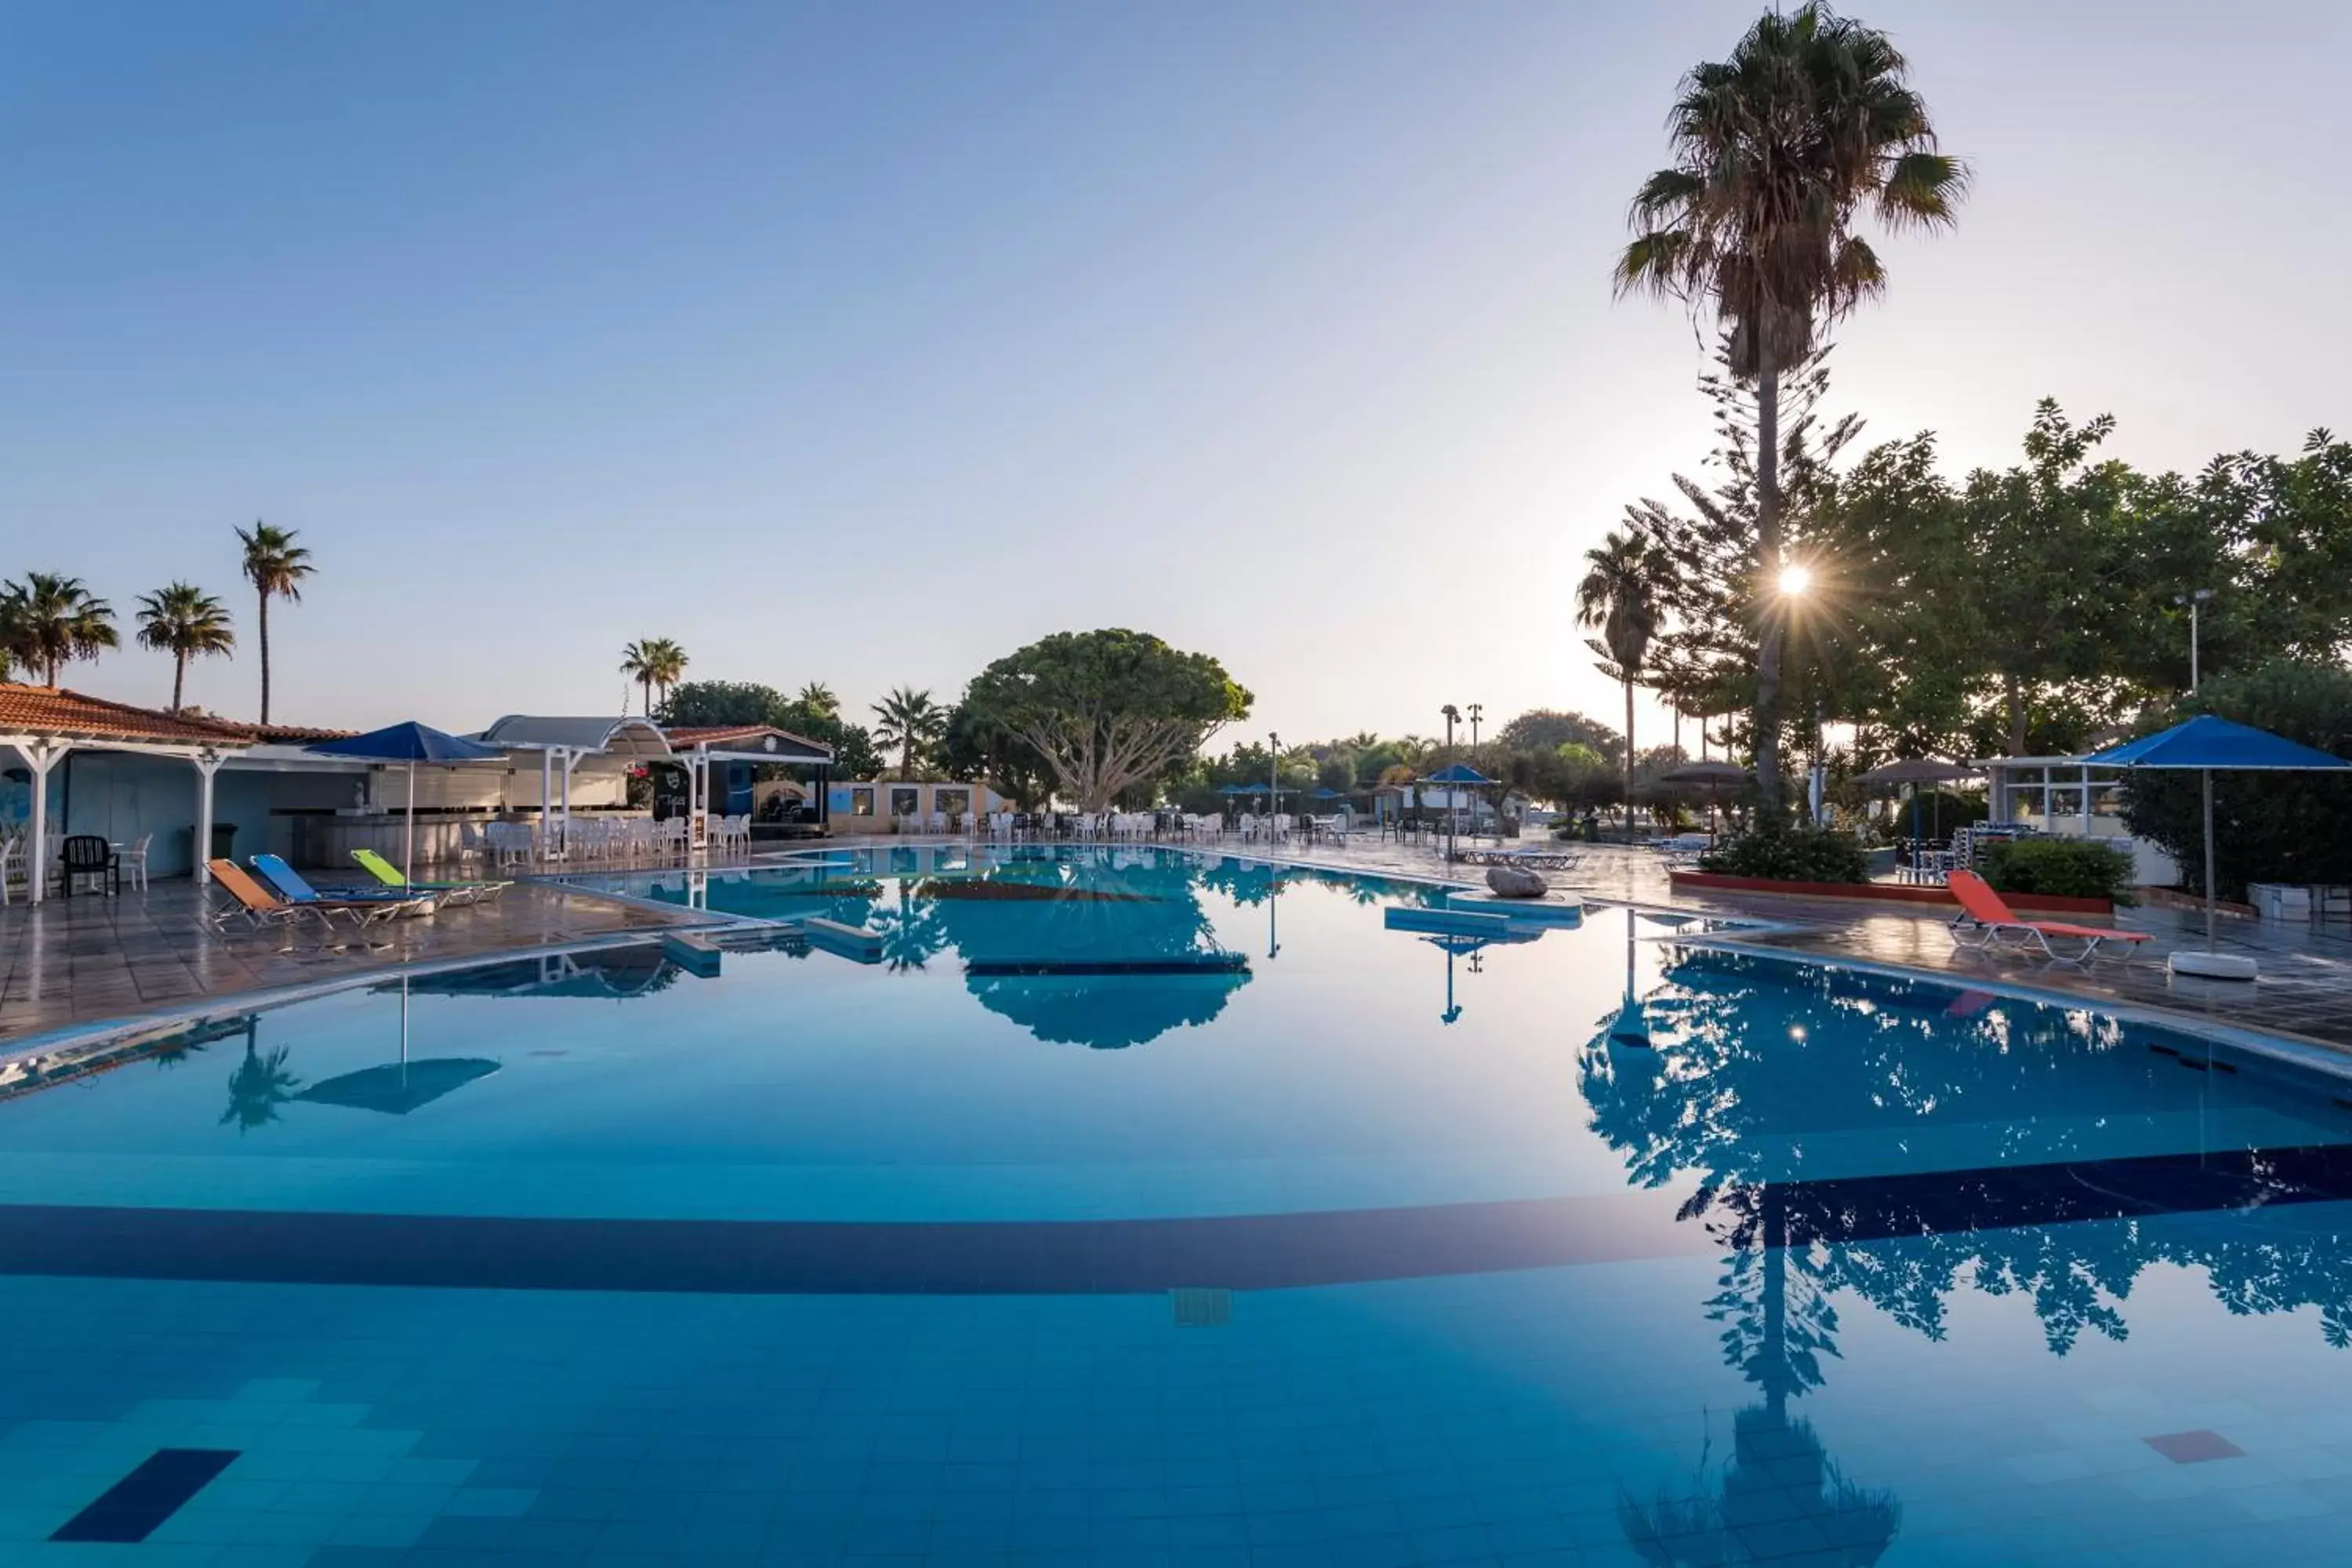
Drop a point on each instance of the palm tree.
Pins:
(818, 698)
(638, 661)
(1619, 595)
(185, 622)
(276, 567)
(1777, 151)
(48, 621)
(669, 663)
(911, 722)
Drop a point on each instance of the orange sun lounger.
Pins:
(1982, 908)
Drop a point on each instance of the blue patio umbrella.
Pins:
(409, 743)
(1459, 774)
(1324, 792)
(2208, 744)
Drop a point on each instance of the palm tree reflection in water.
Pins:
(257, 1087)
(1755, 1059)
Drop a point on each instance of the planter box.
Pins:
(1882, 893)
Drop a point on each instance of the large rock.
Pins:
(1516, 882)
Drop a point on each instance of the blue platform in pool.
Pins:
(1134, 1206)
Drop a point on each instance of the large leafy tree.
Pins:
(48, 620)
(977, 747)
(182, 620)
(910, 723)
(1777, 152)
(1619, 594)
(277, 567)
(1109, 709)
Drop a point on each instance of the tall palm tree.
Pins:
(276, 567)
(182, 620)
(1619, 595)
(638, 661)
(909, 721)
(48, 621)
(1777, 151)
(669, 667)
(818, 698)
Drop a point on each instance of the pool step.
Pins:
(852, 942)
(695, 954)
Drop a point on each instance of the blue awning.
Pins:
(2207, 741)
(1459, 774)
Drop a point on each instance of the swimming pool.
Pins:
(1138, 1208)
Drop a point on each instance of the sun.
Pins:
(1796, 580)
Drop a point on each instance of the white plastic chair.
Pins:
(13, 865)
(132, 857)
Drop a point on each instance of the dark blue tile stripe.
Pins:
(132, 1507)
(1248, 1252)
(1200, 963)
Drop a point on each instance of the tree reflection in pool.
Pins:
(1780, 1087)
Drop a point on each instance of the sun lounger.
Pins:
(248, 900)
(1985, 910)
(359, 908)
(452, 893)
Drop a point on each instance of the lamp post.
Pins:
(1452, 717)
(1475, 712)
(2194, 600)
(1272, 776)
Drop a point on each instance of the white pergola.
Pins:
(42, 749)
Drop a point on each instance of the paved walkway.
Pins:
(90, 957)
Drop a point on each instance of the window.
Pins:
(954, 801)
(861, 802)
(902, 800)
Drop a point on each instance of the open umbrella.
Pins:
(411, 744)
(1455, 773)
(1712, 773)
(1915, 771)
(2208, 744)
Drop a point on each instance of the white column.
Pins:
(40, 756)
(2086, 800)
(570, 761)
(206, 765)
(546, 800)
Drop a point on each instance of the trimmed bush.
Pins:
(1791, 855)
(2059, 868)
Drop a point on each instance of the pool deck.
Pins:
(68, 963)
(78, 961)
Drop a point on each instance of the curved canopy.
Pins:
(622, 737)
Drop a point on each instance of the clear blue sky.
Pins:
(1281, 331)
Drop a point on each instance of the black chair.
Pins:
(87, 855)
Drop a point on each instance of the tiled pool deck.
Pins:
(88, 960)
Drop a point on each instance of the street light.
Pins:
(2193, 600)
(1475, 712)
(1452, 717)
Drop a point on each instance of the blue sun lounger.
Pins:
(360, 905)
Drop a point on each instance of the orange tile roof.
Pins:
(54, 710)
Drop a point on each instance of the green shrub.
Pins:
(1791, 855)
(2061, 868)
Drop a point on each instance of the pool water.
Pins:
(1133, 1207)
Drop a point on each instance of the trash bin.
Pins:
(224, 841)
(2280, 901)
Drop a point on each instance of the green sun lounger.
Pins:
(385, 871)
